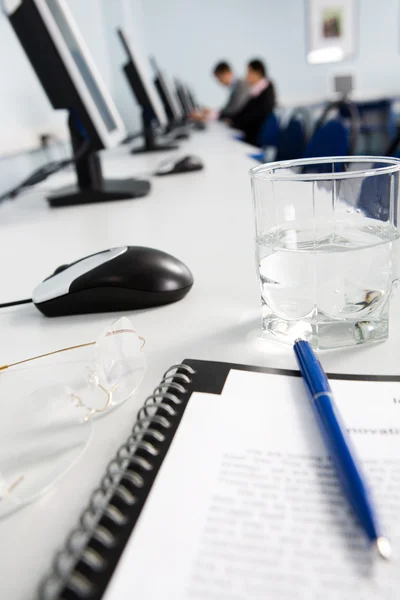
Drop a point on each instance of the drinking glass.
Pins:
(327, 241)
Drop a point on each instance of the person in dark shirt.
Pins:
(260, 105)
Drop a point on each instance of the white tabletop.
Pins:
(205, 219)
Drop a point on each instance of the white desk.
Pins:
(203, 218)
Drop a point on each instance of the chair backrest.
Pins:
(269, 134)
(344, 109)
(292, 140)
(331, 139)
(303, 114)
(377, 125)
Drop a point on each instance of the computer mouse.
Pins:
(125, 278)
(181, 135)
(181, 165)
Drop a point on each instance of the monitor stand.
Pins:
(150, 142)
(91, 187)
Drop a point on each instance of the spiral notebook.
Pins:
(225, 490)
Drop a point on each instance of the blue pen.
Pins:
(339, 444)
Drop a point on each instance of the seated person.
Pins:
(260, 105)
(239, 90)
(238, 95)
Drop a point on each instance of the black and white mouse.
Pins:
(185, 164)
(126, 278)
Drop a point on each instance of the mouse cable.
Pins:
(16, 303)
(41, 174)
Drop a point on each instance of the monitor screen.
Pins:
(173, 95)
(183, 97)
(190, 98)
(63, 63)
(143, 71)
(168, 90)
(79, 60)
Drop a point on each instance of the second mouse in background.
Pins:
(185, 164)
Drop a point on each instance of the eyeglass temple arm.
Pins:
(21, 362)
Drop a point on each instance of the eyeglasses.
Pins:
(47, 408)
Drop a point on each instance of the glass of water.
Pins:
(327, 236)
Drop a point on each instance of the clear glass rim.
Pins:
(266, 171)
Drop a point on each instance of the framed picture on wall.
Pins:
(331, 30)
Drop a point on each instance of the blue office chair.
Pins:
(332, 139)
(269, 133)
(394, 146)
(292, 140)
(377, 124)
(374, 197)
(268, 137)
(345, 113)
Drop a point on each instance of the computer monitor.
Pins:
(167, 94)
(188, 105)
(139, 79)
(192, 98)
(183, 98)
(62, 62)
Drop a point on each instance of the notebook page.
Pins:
(247, 504)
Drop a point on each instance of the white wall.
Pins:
(188, 37)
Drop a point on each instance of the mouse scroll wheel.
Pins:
(60, 269)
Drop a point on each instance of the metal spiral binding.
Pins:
(126, 471)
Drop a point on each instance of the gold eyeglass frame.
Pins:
(109, 393)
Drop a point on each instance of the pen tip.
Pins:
(384, 547)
